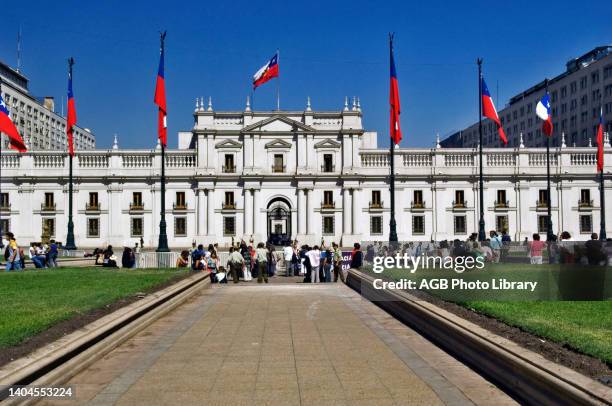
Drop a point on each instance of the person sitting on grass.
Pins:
(37, 255)
(183, 260)
(110, 259)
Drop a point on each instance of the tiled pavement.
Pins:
(280, 344)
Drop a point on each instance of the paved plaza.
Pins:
(280, 344)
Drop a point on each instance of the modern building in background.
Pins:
(576, 96)
(310, 175)
(38, 123)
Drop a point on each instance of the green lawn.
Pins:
(585, 326)
(32, 301)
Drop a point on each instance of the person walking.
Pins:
(496, 246)
(261, 260)
(235, 263)
(535, 249)
(314, 256)
(357, 256)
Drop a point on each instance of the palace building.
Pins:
(310, 175)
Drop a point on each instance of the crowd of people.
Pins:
(318, 263)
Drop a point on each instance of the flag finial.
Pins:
(210, 103)
(563, 140)
(308, 107)
(115, 142)
(248, 104)
(345, 103)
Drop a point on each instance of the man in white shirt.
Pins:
(287, 257)
(314, 256)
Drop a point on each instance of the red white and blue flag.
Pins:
(600, 143)
(7, 127)
(160, 100)
(266, 72)
(543, 111)
(71, 119)
(489, 111)
(394, 101)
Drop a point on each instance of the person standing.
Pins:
(11, 253)
(235, 263)
(52, 254)
(535, 249)
(287, 258)
(496, 245)
(314, 256)
(337, 261)
(271, 260)
(261, 260)
(357, 256)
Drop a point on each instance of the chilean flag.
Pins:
(267, 72)
(600, 143)
(394, 101)
(488, 110)
(7, 127)
(160, 99)
(71, 120)
(543, 111)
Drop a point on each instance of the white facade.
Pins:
(307, 174)
(39, 125)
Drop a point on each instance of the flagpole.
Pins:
(549, 231)
(481, 223)
(162, 245)
(70, 245)
(392, 224)
(602, 197)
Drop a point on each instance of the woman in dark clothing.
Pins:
(306, 263)
(127, 259)
(357, 257)
(110, 260)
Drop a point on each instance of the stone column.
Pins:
(301, 213)
(310, 211)
(355, 211)
(257, 228)
(210, 221)
(248, 211)
(346, 212)
(202, 226)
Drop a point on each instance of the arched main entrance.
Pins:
(279, 221)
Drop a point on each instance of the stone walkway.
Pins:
(280, 344)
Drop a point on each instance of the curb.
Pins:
(59, 361)
(524, 374)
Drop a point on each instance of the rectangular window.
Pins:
(4, 201)
(48, 226)
(229, 201)
(376, 227)
(180, 226)
(136, 227)
(418, 224)
(501, 223)
(585, 197)
(229, 226)
(137, 199)
(542, 224)
(417, 196)
(543, 198)
(279, 166)
(180, 201)
(460, 225)
(459, 198)
(93, 227)
(5, 226)
(328, 163)
(376, 201)
(229, 166)
(328, 198)
(328, 225)
(586, 224)
(49, 200)
(501, 199)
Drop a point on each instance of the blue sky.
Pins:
(328, 50)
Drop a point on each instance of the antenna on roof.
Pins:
(19, 49)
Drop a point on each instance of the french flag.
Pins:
(160, 98)
(488, 110)
(71, 119)
(7, 127)
(394, 100)
(543, 111)
(600, 143)
(266, 72)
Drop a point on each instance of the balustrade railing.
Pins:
(181, 160)
(93, 161)
(137, 161)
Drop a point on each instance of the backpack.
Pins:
(7, 255)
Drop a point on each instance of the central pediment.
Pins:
(278, 123)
